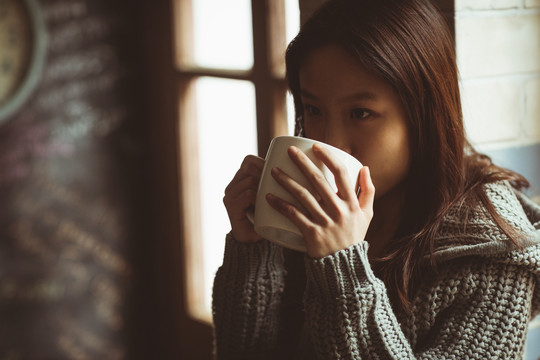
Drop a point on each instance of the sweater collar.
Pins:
(468, 230)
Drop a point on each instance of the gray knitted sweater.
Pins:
(477, 306)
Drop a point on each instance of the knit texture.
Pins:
(477, 305)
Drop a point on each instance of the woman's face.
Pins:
(354, 110)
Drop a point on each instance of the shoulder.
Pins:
(468, 229)
(470, 290)
(474, 256)
(514, 206)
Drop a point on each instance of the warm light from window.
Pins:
(292, 25)
(227, 133)
(223, 34)
(292, 19)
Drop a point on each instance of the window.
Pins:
(232, 101)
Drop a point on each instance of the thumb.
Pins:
(367, 189)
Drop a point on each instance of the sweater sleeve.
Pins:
(246, 298)
(350, 317)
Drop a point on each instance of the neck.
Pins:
(387, 213)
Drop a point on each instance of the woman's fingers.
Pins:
(316, 179)
(240, 195)
(341, 174)
(243, 201)
(251, 166)
(324, 231)
(290, 211)
(300, 193)
(367, 190)
(249, 182)
(246, 180)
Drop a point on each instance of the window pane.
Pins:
(290, 113)
(227, 131)
(292, 19)
(292, 23)
(223, 34)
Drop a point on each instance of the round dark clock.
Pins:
(22, 53)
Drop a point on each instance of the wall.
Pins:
(498, 47)
(73, 190)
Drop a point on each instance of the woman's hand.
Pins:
(329, 221)
(240, 195)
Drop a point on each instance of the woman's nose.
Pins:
(336, 135)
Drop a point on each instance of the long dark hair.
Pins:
(407, 43)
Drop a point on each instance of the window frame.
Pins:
(268, 77)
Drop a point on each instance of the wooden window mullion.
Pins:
(267, 37)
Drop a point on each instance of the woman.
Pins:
(437, 257)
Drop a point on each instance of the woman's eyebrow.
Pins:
(361, 95)
(307, 94)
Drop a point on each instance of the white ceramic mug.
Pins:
(269, 223)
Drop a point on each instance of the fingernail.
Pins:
(294, 149)
(275, 171)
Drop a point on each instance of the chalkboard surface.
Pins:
(68, 175)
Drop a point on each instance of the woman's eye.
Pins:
(311, 110)
(359, 113)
